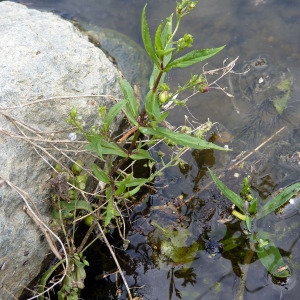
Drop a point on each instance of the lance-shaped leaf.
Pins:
(180, 138)
(101, 147)
(157, 41)
(132, 106)
(165, 38)
(140, 154)
(123, 184)
(192, 57)
(112, 113)
(271, 259)
(100, 174)
(279, 200)
(152, 106)
(228, 193)
(147, 38)
(94, 144)
(140, 182)
(113, 149)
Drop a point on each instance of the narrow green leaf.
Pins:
(129, 182)
(132, 105)
(83, 205)
(94, 144)
(162, 117)
(66, 209)
(192, 57)
(112, 149)
(110, 209)
(165, 38)
(167, 32)
(110, 212)
(123, 184)
(147, 38)
(180, 138)
(152, 106)
(112, 113)
(137, 182)
(133, 191)
(100, 174)
(46, 277)
(253, 207)
(228, 193)
(141, 154)
(248, 223)
(271, 259)
(158, 43)
(165, 52)
(120, 189)
(279, 200)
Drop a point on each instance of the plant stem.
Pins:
(87, 235)
(242, 285)
(116, 261)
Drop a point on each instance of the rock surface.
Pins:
(41, 57)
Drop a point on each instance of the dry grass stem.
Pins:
(49, 234)
(59, 98)
(116, 260)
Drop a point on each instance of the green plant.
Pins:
(247, 210)
(118, 181)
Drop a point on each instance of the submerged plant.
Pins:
(247, 209)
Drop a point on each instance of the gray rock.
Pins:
(41, 56)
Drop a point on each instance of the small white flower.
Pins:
(72, 136)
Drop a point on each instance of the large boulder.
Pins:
(46, 67)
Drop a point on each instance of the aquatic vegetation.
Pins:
(247, 209)
(173, 244)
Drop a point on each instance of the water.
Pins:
(252, 30)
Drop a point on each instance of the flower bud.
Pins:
(163, 97)
(77, 167)
(192, 5)
(185, 42)
(73, 112)
(203, 88)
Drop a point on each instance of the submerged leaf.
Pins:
(279, 200)
(228, 193)
(280, 102)
(271, 259)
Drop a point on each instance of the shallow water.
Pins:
(251, 29)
